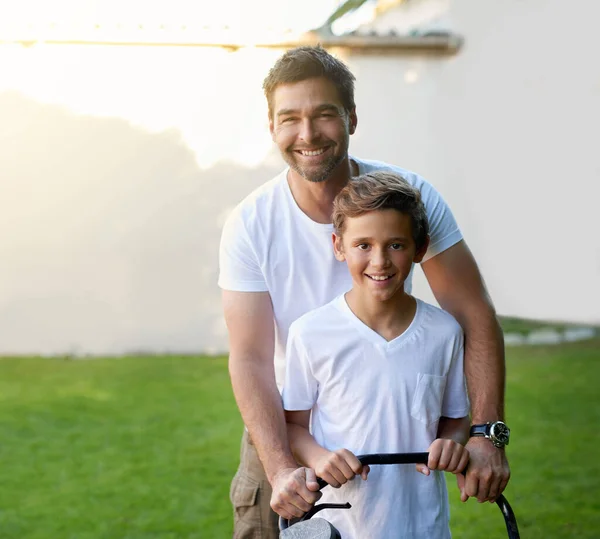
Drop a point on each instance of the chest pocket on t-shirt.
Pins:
(427, 402)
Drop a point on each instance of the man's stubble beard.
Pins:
(328, 167)
(321, 174)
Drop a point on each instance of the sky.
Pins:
(207, 12)
(237, 14)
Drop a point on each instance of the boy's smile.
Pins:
(379, 250)
(380, 278)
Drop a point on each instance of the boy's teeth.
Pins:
(312, 152)
(379, 277)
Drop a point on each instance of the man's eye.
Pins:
(287, 120)
(363, 246)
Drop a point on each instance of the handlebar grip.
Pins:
(394, 458)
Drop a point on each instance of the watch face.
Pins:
(500, 433)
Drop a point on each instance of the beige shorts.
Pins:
(250, 495)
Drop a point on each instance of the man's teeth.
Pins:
(313, 152)
(380, 277)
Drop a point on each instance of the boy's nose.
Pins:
(380, 259)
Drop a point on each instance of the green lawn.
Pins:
(145, 448)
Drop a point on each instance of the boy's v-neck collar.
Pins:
(371, 335)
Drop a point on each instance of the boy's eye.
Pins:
(363, 246)
(396, 246)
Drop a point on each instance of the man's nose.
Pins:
(308, 131)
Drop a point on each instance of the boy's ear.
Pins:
(337, 247)
(421, 252)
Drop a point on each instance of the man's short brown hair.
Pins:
(304, 63)
(381, 190)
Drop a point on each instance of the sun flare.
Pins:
(210, 94)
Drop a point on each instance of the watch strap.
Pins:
(480, 430)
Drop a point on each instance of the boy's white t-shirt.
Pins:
(270, 245)
(369, 395)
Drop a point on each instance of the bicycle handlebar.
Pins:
(405, 458)
(385, 458)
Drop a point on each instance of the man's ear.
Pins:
(272, 128)
(421, 252)
(337, 247)
(353, 121)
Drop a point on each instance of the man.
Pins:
(276, 263)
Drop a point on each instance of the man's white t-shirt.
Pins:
(270, 245)
(369, 395)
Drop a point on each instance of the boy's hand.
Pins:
(445, 454)
(339, 466)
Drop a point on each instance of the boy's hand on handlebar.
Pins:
(339, 466)
(295, 491)
(446, 455)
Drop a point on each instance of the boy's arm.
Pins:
(459, 288)
(335, 467)
(304, 447)
(456, 429)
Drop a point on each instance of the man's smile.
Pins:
(312, 152)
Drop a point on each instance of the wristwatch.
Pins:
(497, 432)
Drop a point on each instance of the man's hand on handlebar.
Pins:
(295, 491)
(488, 472)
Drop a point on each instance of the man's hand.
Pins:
(446, 455)
(295, 491)
(487, 474)
(338, 467)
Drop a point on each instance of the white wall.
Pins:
(509, 131)
(117, 167)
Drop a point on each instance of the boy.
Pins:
(378, 371)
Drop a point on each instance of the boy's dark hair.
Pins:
(307, 62)
(381, 190)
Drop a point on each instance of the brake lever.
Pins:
(319, 507)
(374, 458)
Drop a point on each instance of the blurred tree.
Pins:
(343, 9)
(352, 5)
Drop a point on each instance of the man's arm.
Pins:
(249, 319)
(459, 288)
